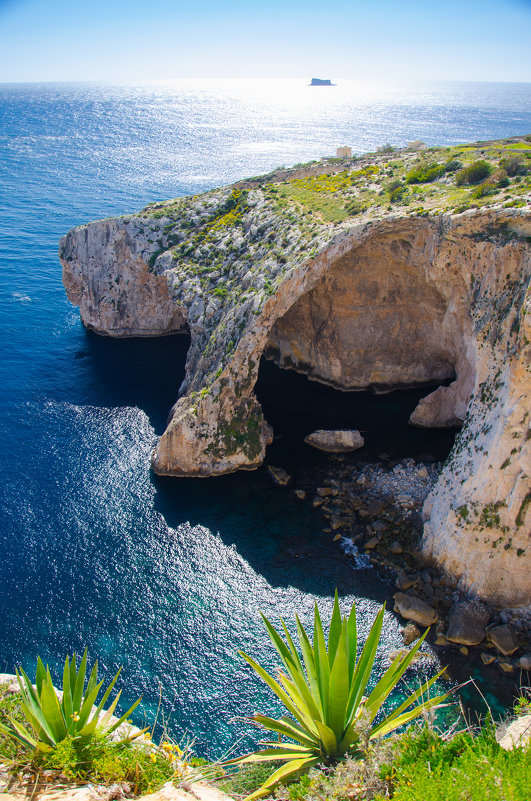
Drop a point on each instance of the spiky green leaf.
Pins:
(77, 692)
(335, 631)
(287, 771)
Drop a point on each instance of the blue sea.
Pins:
(163, 576)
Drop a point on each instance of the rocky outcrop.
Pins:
(391, 300)
(515, 735)
(339, 441)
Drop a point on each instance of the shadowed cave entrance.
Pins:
(375, 334)
(295, 406)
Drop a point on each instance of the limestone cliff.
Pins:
(332, 275)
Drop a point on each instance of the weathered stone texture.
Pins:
(386, 303)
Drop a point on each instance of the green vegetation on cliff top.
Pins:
(414, 181)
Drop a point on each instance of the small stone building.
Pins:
(343, 152)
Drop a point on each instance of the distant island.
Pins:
(322, 82)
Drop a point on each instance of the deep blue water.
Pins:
(162, 576)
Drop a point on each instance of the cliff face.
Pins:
(392, 301)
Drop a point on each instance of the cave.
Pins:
(295, 406)
(374, 320)
(374, 345)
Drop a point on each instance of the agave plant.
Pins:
(324, 692)
(52, 719)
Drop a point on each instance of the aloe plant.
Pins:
(324, 692)
(54, 718)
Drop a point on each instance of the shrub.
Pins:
(425, 174)
(453, 165)
(513, 165)
(497, 180)
(324, 692)
(474, 173)
(52, 720)
(396, 191)
(465, 766)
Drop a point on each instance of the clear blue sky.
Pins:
(47, 40)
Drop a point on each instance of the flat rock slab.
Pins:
(466, 623)
(504, 639)
(338, 441)
(412, 608)
(516, 735)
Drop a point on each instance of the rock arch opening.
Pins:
(295, 406)
(378, 327)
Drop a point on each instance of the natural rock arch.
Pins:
(382, 304)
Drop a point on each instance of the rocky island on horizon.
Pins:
(390, 270)
(321, 82)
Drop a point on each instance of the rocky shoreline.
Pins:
(372, 510)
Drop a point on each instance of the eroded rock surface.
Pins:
(338, 441)
(386, 300)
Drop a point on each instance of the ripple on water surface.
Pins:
(165, 577)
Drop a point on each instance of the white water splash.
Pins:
(18, 296)
(361, 560)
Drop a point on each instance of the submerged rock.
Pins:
(279, 476)
(338, 441)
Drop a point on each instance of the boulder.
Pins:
(338, 441)
(466, 622)
(410, 633)
(9, 683)
(337, 522)
(524, 663)
(279, 476)
(506, 667)
(375, 507)
(395, 547)
(516, 735)
(404, 582)
(413, 608)
(372, 543)
(504, 639)
(487, 659)
(300, 494)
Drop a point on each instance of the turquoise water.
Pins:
(162, 576)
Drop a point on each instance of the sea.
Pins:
(167, 577)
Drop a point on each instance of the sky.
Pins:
(116, 40)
